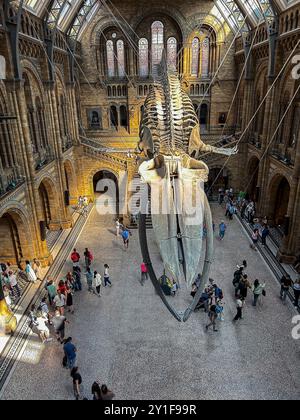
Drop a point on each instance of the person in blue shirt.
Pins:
(222, 230)
(70, 353)
(125, 236)
(89, 279)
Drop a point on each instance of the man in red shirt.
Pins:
(144, 273)
(75, 257)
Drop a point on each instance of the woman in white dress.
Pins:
(30, 272)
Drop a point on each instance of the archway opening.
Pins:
(45, 204)
(71, 189)
(252, 178)
(114, 120)
(281, 201)
(203, 117)
(14, 244)
(106, 190)
(123, 116)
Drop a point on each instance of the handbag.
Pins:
(264, 293)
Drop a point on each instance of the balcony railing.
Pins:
(7, 186)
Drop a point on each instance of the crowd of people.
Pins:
(10, 277)
(212, 297)
(82, 205)
(50, 317)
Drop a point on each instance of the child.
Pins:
(220, 310)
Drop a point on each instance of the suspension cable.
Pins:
(258, 109)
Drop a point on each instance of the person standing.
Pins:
(37, 268)
(77, 278)
(97, 282)
(212, 315)
(60, 302)
(106, 394)
(77, 381)
(286, 283)
(106, 276)
(14, 284)
(237, 276)
(222, 230)
(51, 289)
(89, 279)
(70, 353)
(243, 287)
(118, 225)
(239, 307)
(254, 236)
(144, 273)
(257, 289)
(88, 256)
(264, 234)
(96, 391)
(296, 288)
(75, 257)
(69, 299)
(125, 236)
(59, 323)
(30, 273)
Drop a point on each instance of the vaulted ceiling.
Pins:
(72, 16)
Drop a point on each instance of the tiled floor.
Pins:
(128, 340)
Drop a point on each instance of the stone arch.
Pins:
(106, 175)
(278, 198)
(33, 75)
(71, 181)
(206, 20)
(16, 244)
(49, 202)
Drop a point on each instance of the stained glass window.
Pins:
(110, 59)
(157, 42)
(172, 52)
(143, 57)
(205, 58)
(195, 57)
(121, 58)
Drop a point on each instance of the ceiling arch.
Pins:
(71, 16)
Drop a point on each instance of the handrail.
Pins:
(269, 255)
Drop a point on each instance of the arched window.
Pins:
(110, 59)
(123, 116)
(41, 123)
(114, 120)
(195, 57)
(205, 58)
(295, 126)
(121, 58)
(204, 115)
(157, 42)
(143, 57)
(172, 52)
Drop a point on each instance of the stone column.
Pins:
(66, 219)
(290, 244)
(40, 247)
